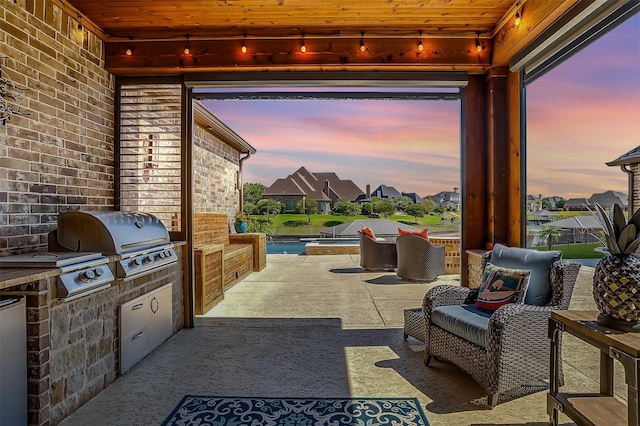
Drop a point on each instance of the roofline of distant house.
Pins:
(221, 130)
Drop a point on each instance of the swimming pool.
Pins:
(299, 247)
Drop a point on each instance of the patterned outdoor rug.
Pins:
(229, 411)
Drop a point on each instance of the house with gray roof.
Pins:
(325, 187)
(413, 196)
(386, 192)
(608, 198)
(575, 204)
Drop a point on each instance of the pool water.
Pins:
(286, 247)
(298, 247)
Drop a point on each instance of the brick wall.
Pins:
(215, 165)
(635, 168)
(60, 157)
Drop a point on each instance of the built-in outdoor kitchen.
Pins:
(106, 293)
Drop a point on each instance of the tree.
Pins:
(550, 234)
(402, 203)
(307, 206)
(416, 210)
(252, 192)
(385, 208)
(546, 204)
(560, 204)
(268, 206)
(367, 209)
(249, 209)
(347, 208)
(439, 209)
(429, 205)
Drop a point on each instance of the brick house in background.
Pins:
(448, 199)
(324, 187)
(630, 164)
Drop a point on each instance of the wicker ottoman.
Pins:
(414, 324)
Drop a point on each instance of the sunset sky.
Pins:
(580, 115)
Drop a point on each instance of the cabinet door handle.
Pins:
(137, 335)
(154, 310)
(137, 306)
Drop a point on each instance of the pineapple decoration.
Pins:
(616, 281)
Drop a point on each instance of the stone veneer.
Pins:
(60, 156)
(73, 346)
(215, 165)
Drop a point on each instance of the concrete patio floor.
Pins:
(318, 326)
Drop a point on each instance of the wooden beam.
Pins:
(536, 16)
(498, 157)
(474, 170)
(455, 54)
(515, 204)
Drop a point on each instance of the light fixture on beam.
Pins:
(479, 47)
(362, 47)
(129, 50)
(187, 50)
(243, 49)
(303, 47)
(518, 19)
(420, 46)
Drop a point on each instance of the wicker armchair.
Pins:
(377, 255)
(517, 345)
(418, 259)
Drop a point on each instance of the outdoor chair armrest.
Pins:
(445, 295)
(515, 330)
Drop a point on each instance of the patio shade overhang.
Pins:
(474, 36)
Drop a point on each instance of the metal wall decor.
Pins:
(11, 95)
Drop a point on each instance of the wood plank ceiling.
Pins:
(156, 33)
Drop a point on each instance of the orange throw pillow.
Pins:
(419, 232)
(368, 232)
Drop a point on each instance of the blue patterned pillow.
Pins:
(500, 286)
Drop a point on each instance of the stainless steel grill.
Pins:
(82, 273)
(140, 239)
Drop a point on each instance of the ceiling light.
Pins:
(243, 49)
(303, 48)
(362, 48)
(129, 51)
(186, 50)
(479, 47)
(420, 46)
(516, 22)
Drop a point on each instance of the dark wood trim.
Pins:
(187, 203)
(168, 58)
(117, 102)
(517, 160)
(498, 157)
(474, 170)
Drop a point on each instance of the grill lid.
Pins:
(110, 231)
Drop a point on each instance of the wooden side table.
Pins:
(595, 408)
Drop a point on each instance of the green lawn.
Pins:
(296, 224)
(576, 251)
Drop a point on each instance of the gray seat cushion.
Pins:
(464, 321)
(539, 262)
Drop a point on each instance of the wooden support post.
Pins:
(474, 170)
(498, 158)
